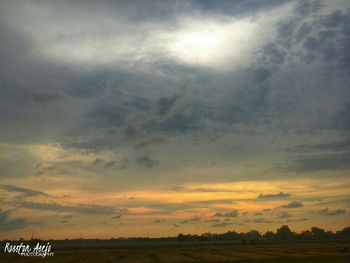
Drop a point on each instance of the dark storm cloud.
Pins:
(131, 105)
(328, 212)
(273, 196)
(80, 208)
(293, 205)
(23, 191)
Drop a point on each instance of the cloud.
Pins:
(110, 164)
(159, 85)
(285, 215)
(165, 104)
(273, 196)
(8, 224)
(320, 162)
(150, 142)
(233, 213)
(98, 161)
(327, 212)
(117, 216)
(293, 205)
(23, 191)
(328, 146)
(80, 208)
(262, 221)
(45, 98)
(146, 162)
(222, 224)
(298, 220)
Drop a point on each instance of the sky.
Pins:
(153, 118)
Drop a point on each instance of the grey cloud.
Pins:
(165, 104)
(9, 224)
(110, 164)
(222, 224)
(273, 196)
(176, 123)
(127, 109)
(193, 204)
(342, 120)
(262, 221)
(320, 162)
(308, 7)
(335, 19)
(24, 191)
(150, 142)
(298, 220)
(293, 205)
(328, 212)
(45, 98)
(233, 213)
(98, 161)
(237, 8)
(146, 162)
(117, 216)
(328, 146)
(285, 215)
(80, 208)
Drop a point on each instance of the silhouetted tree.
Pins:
(284, 233)
(306, 235)
(269, 235)
(318, 233)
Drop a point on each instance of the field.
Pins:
(282, 252)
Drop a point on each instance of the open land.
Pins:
(272, 252)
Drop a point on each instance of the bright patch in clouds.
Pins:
(213, 44)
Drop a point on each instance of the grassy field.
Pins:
(285, 252)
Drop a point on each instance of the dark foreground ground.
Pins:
(279, 252)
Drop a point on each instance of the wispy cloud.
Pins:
(233, 213)
(23, 191)
(273, 196)
(293, 205)
(328, 212)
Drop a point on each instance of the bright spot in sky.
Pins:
(213, 44)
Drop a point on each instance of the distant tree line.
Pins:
(282, 233)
